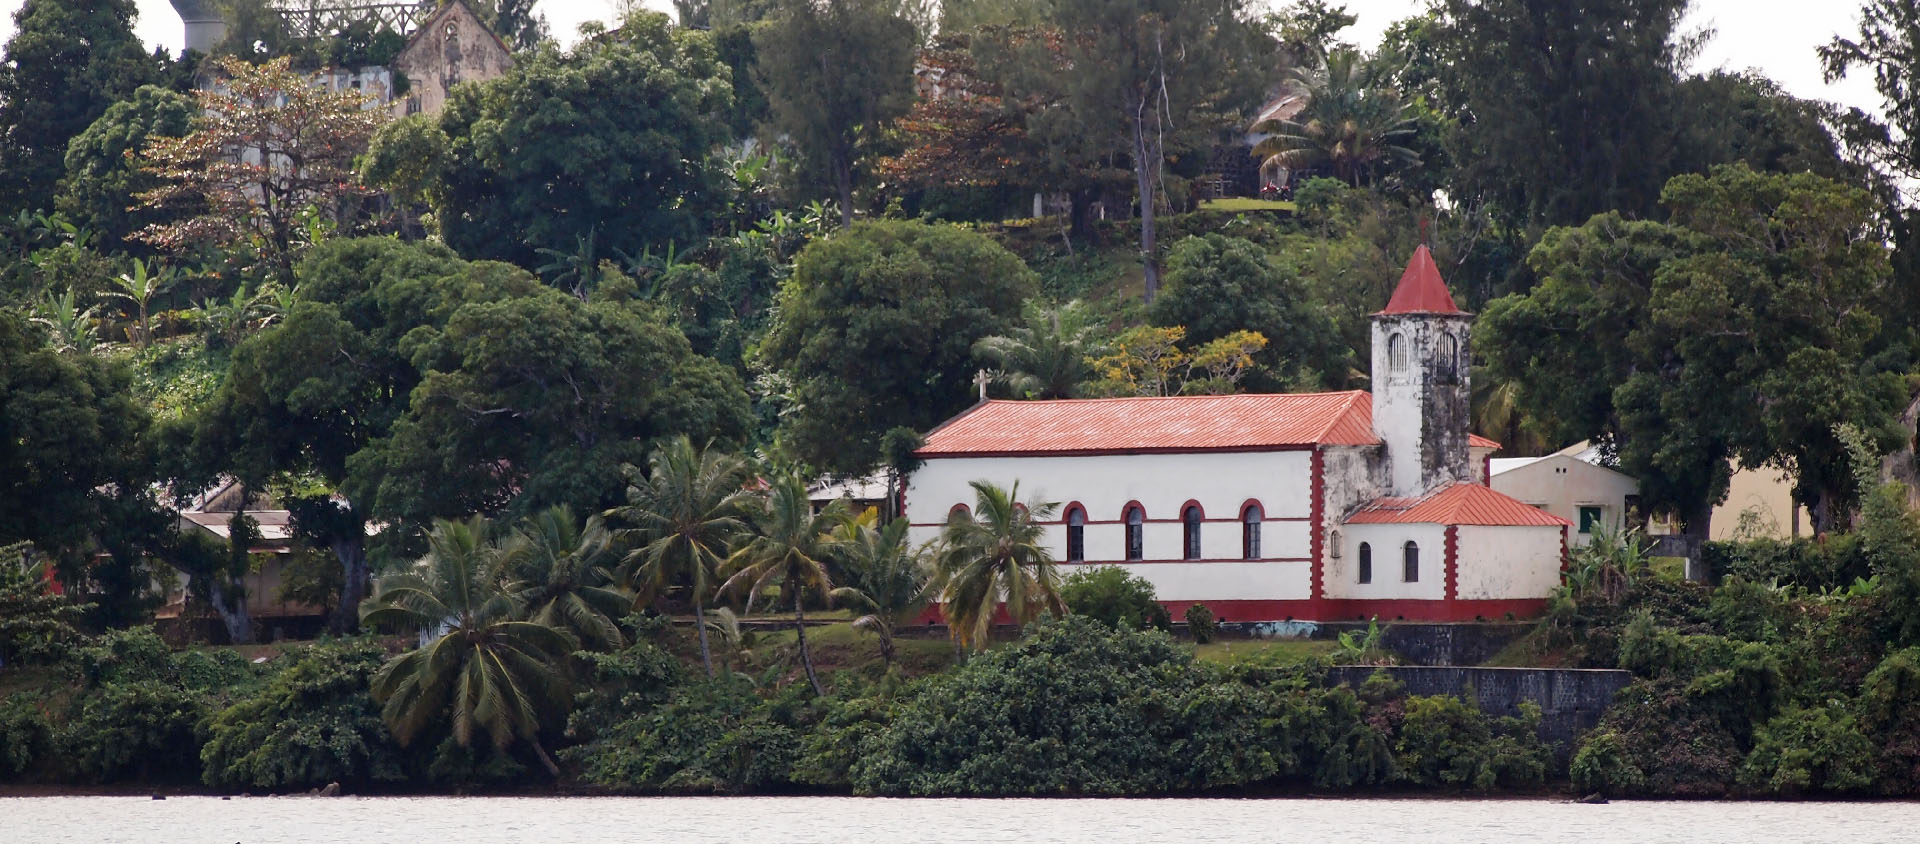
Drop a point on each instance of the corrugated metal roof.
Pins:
(1421, 289)
(1171, 423)
(1458, 504)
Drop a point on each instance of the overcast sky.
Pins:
(1775, 37)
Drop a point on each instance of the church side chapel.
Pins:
(1304, 506)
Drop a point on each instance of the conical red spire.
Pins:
(1421, 290)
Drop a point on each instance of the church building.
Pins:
(1305, 506)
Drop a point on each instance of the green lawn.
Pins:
(1265, 651)
(1242, 203)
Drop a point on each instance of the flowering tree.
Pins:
(269, 145)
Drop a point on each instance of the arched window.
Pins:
(1445, 357)
(1190, 520)
(1250, 532)
(1411, 560)
(1136, 533)
(959, 513)
(1076, 535)
(1396, 352)
(1366, 563)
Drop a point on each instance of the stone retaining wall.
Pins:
(1571, 700)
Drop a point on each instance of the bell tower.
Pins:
(1421, 397)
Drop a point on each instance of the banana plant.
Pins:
(139, 289)
(70, 328)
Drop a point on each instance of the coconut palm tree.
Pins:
(996, 555)
(887, 582)
(792, 546)
(1348, 124)
(1044, 359)
(682, 516)
(138, 289)
(560, 575)
(482, 669)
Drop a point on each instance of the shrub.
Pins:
(1833, 562)
(25, 734)
(716, 736)
(1074, 708)
(1678, 741)
(133, 655)
(1110, 595)
(1201, 624)
(142, 731)
(1889, 708)
(1602, 764)
(1815, 749)
(1445, 741)
(314, 723)
(637, 677)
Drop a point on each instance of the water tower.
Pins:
(203, 23)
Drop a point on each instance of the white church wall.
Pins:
(1281, 481)
(1507, 563)
(1213, 581)
(1342, 573)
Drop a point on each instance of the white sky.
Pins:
(1775, 37)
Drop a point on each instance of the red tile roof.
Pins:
(1172, 423)
(1457, 504)
(1421, 290)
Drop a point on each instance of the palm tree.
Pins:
(996, 554)
(790, 545)
(1348, 123)
(1044, 359)
(684, 513)
(138, 290)
(69, 326)
(483, 670)
(559, 573)
(887, 582)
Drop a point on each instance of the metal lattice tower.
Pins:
(323, 18)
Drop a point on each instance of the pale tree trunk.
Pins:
(800, 629)
(1697, 528)
(230, 603)
(352, 553)
(1145, 165)
(843, 187)
(700, 624)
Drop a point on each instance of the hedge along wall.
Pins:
(1571, 700)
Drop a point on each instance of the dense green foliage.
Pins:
(875, 330)
(604, 146)
(312, 723)
(574, 377)
(1110, 595)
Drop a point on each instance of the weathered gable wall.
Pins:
(450, 48)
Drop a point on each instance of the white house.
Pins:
(1572, 484)
(1314, 506)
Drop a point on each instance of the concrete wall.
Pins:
(1507, 562)
(1561, 484)
(1571, 700)
(1430, 644)
(1768, 495)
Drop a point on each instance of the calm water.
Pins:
(839, 820)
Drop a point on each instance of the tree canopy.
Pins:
(875, 331)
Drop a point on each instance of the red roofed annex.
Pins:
(1276, 507)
